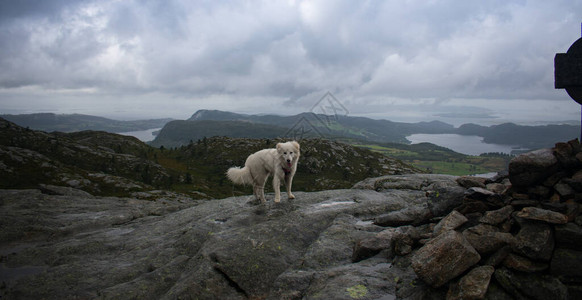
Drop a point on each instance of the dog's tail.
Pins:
(239, 176)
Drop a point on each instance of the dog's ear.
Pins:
(295, 144)
(279, 147)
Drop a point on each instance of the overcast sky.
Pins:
(480, 61)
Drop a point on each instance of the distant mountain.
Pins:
(360, 128)
(77, 122)
(178, 133)
(302, 125)
(529, 137)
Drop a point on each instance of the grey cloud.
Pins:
(280, 50)
(11, 10)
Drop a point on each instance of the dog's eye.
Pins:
(284, 152)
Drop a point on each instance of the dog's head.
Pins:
(289, 153)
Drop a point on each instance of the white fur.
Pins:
(281, 162)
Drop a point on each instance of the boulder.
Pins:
(495, 217)
(532, 168)
(564, 189)
(411, 215)
(474, 285)
(471, 206)
(418, 182)
(564, 152)
(548, 216)
(471, 181)
(441, 201)
(528, 286)
(539, 192)
(497, 188)
(371, 246)
(535, 241)
(523, 264)
(478, 193)
(566, 262)
(569, 236)
(487, 239)
(450, 222)
(444, 258)
(496, 292)
(498, 256)
(403, 244)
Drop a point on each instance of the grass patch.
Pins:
(439, 160)
(450, 168)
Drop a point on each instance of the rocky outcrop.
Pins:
(514, 236)
(418, 236)
(97, 162)
(106, 164)
(61, 243)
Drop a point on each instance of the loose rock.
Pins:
(535, 240)
(522, 264)
(487, 239)
(450, 222)
(443, 258)
(548, 216)
(473, 285)
(498, 216)
(533, 167)
(566, 262)
(537, 287)
(569, 236)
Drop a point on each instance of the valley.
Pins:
(172, 146)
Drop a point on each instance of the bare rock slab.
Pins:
(444, 258)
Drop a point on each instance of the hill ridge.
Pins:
(104, 163)
(385, 131)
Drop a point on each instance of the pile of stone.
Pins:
(517, 235)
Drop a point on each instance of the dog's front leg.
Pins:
(277, 187)
(288, 182)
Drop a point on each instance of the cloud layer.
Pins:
(280, 56)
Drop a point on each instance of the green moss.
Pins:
(357, 291)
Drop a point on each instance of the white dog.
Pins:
(280, 162)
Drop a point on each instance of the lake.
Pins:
(143, 135)
(465, 144)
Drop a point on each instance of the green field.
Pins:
(440, 160)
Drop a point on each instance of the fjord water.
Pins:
(465, 144)
(143, 135)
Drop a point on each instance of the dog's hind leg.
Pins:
(259, 188)
(259, 193)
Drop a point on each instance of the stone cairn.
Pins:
(518, 235)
